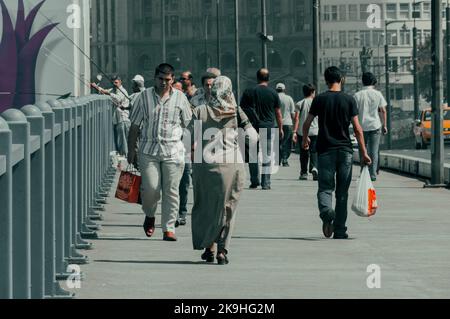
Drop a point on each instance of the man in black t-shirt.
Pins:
(262, 106)
(336, 110)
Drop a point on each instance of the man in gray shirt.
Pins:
(301, 114)
(288, 113)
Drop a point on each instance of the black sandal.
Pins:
(222, 259)
(208, 256)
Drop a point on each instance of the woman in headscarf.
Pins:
(219, 174)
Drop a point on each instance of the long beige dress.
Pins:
(217, 184)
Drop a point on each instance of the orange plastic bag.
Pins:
(365, 202)
(128, 188)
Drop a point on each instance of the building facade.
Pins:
(349, 29)
(127, 38)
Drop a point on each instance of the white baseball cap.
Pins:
(138, 78)
(281, 86)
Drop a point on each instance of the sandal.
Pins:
(222, 259)
(208, 256)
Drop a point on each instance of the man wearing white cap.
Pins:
(288, 113)
(138, 86)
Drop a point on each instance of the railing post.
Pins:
(6, 240)
(52, 287)
(21, 203)
(60, 142)
(81, 191)
(37, 198)
(72, 256)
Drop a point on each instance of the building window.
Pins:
(147, 7)
(343, 39)
(250, 61)
(172, 26)
(334, 13)
(334, 39)
(404, 11)
(353, 12)
(391, 11)
(297, 60)
(393, 64)
(426, 10)
(363, 14)
(405, 37)
(144, 63)
(342, 12)
(392, 37)
(364, 38)
(377, 38)
(326, 13)
(147, 27)
(405, 64)
(275, 60)
(276, 16)
(352, 36)
(299, 23)
(327, 39)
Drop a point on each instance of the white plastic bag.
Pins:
(365, 202)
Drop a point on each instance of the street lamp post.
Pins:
(218, 32)
(437, 149)
(264, 33)
(238, 63)
(416, 82)
(316, 44)
(388, 93)
(447, 41)
(163, 30)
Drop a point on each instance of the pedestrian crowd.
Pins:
(161, 129)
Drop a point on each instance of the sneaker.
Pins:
(266, 188)
(303, 177)
(340, 236)
(254, 186)
(285, 164)
(182, 221)
(315, 174)
(327, 229)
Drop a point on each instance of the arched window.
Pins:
(228, 61)
(275, 60)
(297, 59)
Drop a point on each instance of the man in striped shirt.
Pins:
(163, 112)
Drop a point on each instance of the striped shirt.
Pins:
(162, 122)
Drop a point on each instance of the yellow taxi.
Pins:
(422, 129)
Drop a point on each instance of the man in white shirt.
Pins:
(121, 120)
(301, 114)
(371, 104)
(159, 115)
(288, 113)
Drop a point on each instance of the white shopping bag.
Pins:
(365, 201)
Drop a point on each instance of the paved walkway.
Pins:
(278, 250)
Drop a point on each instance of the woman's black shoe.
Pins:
(222, 259)
(208, 256)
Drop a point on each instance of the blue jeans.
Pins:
(372, 141)
(184, 190)
(121, 131)
(335, 174)
(265, 145)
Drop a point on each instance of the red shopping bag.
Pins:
(128, 188)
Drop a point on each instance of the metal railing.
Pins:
(55, 174)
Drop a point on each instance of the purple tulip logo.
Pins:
(18, 56)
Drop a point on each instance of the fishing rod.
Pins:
(82, 52)
(64, 96)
